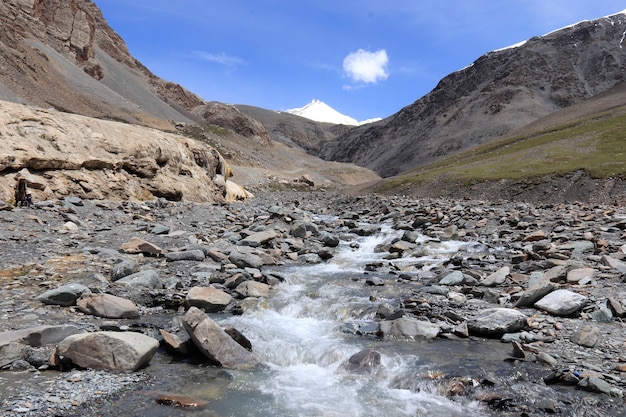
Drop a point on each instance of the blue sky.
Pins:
(364, 58)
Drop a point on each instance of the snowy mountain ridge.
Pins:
(319, 111)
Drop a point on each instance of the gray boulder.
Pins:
(123, 269)
(215, 343)
(108, 306)
(562, 302)
(188, 255)
(496, 322)
(148, 279)
(65, 295)
(114, 351)
(39, 335)
(253, 289)
(209, 299)
(409, 328)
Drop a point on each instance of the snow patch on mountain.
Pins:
(319, 111)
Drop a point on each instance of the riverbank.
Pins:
(566, 351)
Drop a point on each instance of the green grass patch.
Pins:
(595, 144)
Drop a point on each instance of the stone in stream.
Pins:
(215, 343)
(114, 351)
(588, 336)
(107, 306)
(175, 342)
(366, 361)
(65, 295)
(253, 289)
(408, 328)
(497, 321)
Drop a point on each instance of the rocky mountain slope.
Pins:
(501, 91)
(62, 55)
(294, 130)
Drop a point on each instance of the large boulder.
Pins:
(65, 295)
(497, 321)
(409, 328)
(108, 306)
(114, 351)
(39, 335)
(209, 299)
(562, 302)
(215, 343)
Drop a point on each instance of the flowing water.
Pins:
(297, 334)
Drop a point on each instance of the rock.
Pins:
(562, 303)
(246, 260)
(139, 246)
(602, 315)
(588, 336)
(108, 306)
(535, 292)
(65, 295)
(409, 328)
(253, 289)
(188, 255)
(176, 343)
(209, 299)
(366, 361)
(496, 322)
(123, 269)
(578, 274)
(616, 307)
(238, 337)
(11, 352)
(148, 278)
(215, 343)
(260, 238)
(496, 278)
(309, 258)
(298, 230)
(38, 336)
(329, 239)
(595, 384)
(114, 351)
(374, 281)
(159, 229)
(453, 278)
(180, 401)
(616, 264)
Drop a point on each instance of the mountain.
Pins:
(321, 112)
(294, 130)
(501, 91)
(60, 58)
(574, 154)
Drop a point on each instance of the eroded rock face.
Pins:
(98, 159)
(36, 33)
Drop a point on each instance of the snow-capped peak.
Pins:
(321, 112)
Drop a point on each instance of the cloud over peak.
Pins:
(366, 67)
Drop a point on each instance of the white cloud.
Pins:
(223, 59)
(366, 67)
